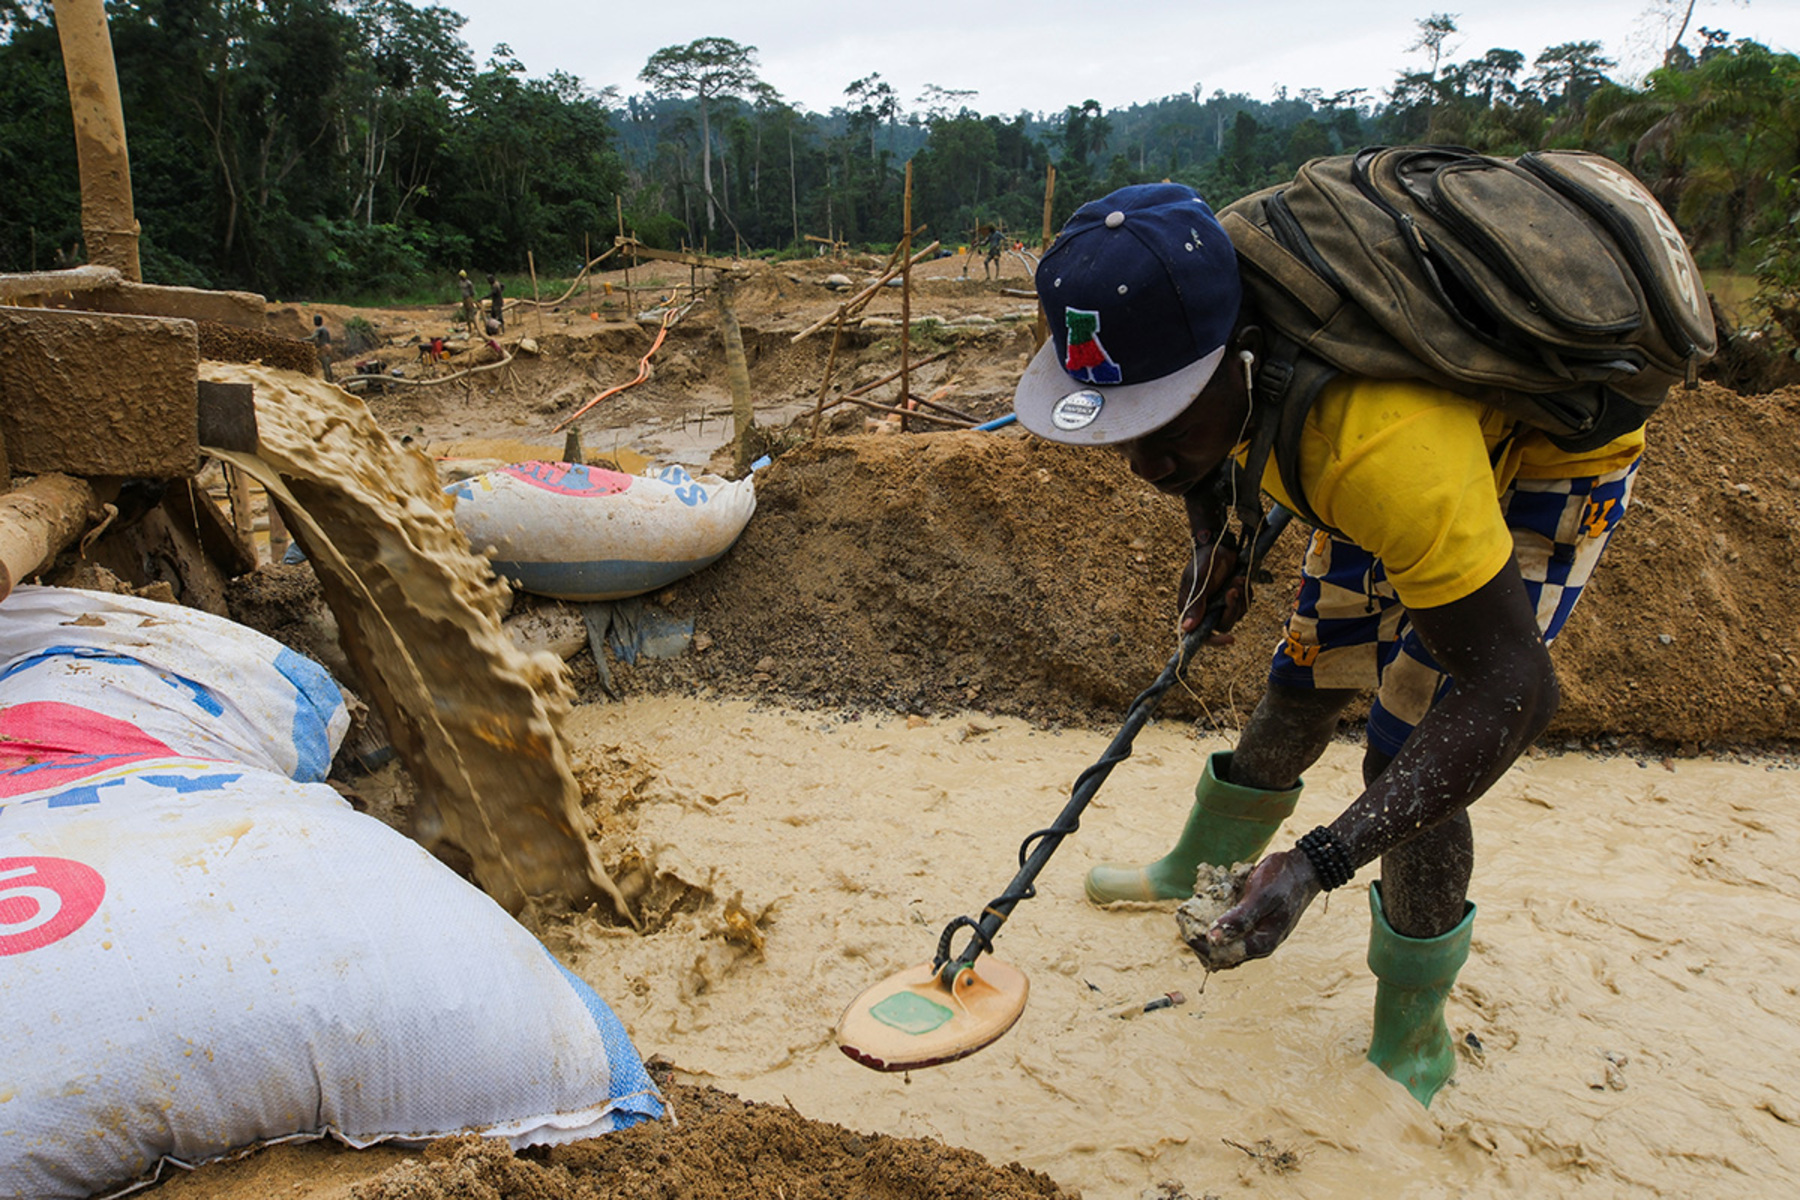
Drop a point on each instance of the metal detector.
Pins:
(947, 1009)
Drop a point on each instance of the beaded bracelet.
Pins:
(1329, 858)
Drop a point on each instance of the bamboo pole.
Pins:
(906, 298)
(630, 295)
(927, 402)
(737, 374)
(531, 261)
(823, 406)
(855, 302)
(893, 375)
(837, 336)
(902, 413)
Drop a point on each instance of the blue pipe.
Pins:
(997, 423)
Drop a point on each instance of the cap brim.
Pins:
(1123, 411)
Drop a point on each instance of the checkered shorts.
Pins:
(1349, 630)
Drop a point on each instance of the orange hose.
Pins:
(643, 373)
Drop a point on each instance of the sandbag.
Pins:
(196, 957)
(188, 682)
(575, 532)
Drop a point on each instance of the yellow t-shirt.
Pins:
(1413, 474)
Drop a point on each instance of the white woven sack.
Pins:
(199, 684)
(195, 958)
(583, 533)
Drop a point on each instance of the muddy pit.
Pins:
(918, 643)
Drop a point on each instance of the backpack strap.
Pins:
(1287, 386)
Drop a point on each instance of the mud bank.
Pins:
(922, 574)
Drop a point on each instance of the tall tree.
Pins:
(1434, 31)
(706, 69)
(877, 104)
(1567, 74)
(401, 76)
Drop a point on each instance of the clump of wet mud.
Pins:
(1216, 892)
(926, 573)
(720, 1148)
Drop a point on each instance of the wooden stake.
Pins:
(902, 413)
(837, 336)
(531, 261)
(850, 306)
(278, 534)
(238, 488)
(906, 297)
(630, 296)
(737, 374)
(866, 388)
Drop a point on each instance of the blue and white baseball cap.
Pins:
(1141, 291)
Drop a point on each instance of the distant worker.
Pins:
(470, 310)
(994, 244)
(321, 338)
(496, 306)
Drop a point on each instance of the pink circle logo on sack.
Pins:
(44, 900)
(570, 479)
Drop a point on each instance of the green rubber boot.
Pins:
(1229, 824)
(1413, 976)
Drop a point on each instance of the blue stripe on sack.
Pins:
(203, 698)
(319, 700)
(51, 653)
(629, 1083)
(614, 578)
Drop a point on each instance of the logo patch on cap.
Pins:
(1077, 410)
(1087, 359)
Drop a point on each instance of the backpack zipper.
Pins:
(1292, 236)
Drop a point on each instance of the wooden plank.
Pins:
(638, 250)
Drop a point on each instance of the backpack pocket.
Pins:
(1645, 235)
(1536, 244)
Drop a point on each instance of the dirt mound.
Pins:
(723, 1149)
(930, 572)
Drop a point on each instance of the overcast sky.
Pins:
(1045, 56)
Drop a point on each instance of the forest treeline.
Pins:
(354, 148)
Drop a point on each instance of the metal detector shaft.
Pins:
(1037, 849)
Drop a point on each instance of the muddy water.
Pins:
(473, 719)
(1632, 987)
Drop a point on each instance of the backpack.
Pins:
(1552, 286)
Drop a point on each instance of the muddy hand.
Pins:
(1275, 896)
(1212, 569)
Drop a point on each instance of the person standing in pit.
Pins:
(470, 311)
(496, 306)
(1461, 541)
